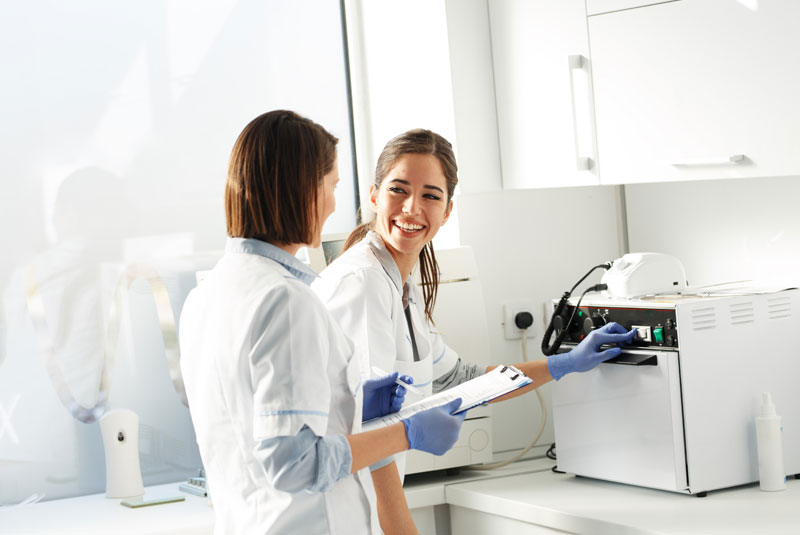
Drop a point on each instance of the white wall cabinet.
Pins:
(543, 93)
(697, 89)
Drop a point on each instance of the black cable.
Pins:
(595, 288)
(549, 348)
(605, 265)
(551, 454)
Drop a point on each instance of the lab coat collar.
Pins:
(302, 272)
(389, 265)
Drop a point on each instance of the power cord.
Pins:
(523, 320)
(551, 454)
(550, 348)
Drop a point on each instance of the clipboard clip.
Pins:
(506, 368)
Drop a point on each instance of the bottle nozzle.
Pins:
(767, 407)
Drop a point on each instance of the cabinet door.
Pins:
(697, 89)
(543, 91)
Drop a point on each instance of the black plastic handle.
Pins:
(634, 359)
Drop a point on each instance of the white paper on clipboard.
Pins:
(499, 381)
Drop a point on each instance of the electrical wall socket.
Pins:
(510, 310)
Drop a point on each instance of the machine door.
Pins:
(623, 421)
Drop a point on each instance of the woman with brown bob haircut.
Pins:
(276, 396)
(370, 291)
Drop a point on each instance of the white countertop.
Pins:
(424, 490)
(526, 491)
(592, 507)
(96, 514)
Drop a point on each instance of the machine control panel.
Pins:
(655, 327)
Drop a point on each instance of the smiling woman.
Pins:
(410, 206)
(368, 287)
(412, 197)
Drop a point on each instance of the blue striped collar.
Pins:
(302, 272)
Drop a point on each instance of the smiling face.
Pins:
(410, 205)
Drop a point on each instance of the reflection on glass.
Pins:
(118, 120)
(54, 378)
(67, 281)
(93, 325)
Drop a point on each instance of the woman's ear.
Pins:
(373, 198)
(447, 212)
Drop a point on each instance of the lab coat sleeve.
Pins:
(304, 462)
(362, 306)
(444, 357)
(288, 368)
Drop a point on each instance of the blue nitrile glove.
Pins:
(588, 355)
(382, 396)
(435, 430)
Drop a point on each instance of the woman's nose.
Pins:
(411, 205)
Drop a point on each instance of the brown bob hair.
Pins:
(276, 167)
(417, 141)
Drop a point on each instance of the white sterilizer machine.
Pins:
(676, 410)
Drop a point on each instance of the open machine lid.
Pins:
(641, 274)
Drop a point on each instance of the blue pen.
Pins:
(380, 373)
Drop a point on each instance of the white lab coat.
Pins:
(363, 290)
(261, 358)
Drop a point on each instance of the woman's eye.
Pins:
(394, 189)
(432, 196)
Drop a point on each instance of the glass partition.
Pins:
(117, 120)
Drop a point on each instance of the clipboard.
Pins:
(478, 391)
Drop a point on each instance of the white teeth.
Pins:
(408, 226)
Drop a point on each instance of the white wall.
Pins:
(473, 95)
(723, 230)
(534, 245)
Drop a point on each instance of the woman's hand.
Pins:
(382, 396)
(588, 355)
(435, 430)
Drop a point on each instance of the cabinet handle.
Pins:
(734, 159)
(579, 62)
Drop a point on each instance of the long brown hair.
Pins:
(276, 167)
(417, 141)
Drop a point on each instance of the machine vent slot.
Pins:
(703, 318)
(779, 307)
(742, 313)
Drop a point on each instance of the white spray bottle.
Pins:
(120, 429)
(769, 437)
